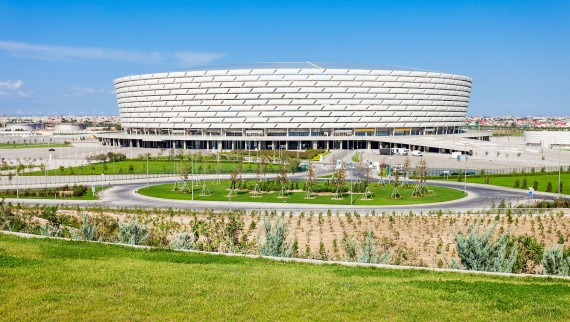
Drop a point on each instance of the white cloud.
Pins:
(13, 88)
(78, 91)
(53, 52)
(11, 85)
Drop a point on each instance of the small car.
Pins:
(417, 153)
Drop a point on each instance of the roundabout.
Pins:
(379, 195)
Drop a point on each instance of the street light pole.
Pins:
(465, 174)
(559, 150)
(147, 169)
(192, 166)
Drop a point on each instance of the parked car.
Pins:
(417, 153)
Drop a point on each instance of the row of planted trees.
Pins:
(338, 181)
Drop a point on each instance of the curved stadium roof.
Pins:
(305, 65)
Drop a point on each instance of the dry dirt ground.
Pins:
(416, 240)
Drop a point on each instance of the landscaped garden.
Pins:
(296, 192)
(77, 192)
(33, 145)
(546, 182)
(117, 163)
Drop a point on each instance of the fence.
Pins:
(499, 171)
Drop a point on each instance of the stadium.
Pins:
(292, 106)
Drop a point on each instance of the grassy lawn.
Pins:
(356, 157)
(60, 280)
(509, 181)
(381, 195)
(154, 166)
(86, 196)
(33, 145)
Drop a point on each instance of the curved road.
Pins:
(125, 195)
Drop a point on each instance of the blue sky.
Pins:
(60, 57)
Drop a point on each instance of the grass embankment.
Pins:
(33, 145)
(154, 166)
(58, 280)
(381, 195)
(509, 181)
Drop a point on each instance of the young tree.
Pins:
(406, 168)
(421, 172)
(310, 181)
(339, 180)
(395, 173)
(283, 179)
(265, 167)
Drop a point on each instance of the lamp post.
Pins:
(147, 169)
(350, 191)
(559, 151)
(192, 180)
(465, 174)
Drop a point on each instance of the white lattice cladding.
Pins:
(293, 98)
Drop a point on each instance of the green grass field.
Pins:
(33, 145)
(139, 167)
(381, 195)
(43, 279)
(509, 181)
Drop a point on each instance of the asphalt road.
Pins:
(125, 195)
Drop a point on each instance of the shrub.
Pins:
(133, 233)
(275, 239)
(535, 185)
(553, 261)
(524, 184)
(349, 247)
(369, 253)
(479, 252)
(87, 231)
(517, 183)
(529, 254)
(185, 240)
(79, 191)
(549, 187)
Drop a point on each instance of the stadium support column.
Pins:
(368, 145)
(314, 143)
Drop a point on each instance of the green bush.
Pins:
(553, 261)
(369, 252)
(349, 247)
(529, 254)
(275, 239)
(549, 187)
(79, 191)
(87, 230)
(480, 252)
(133, 233)
(185, 240)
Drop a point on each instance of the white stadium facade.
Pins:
(293, 106)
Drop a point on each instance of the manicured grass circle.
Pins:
(381, 195)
